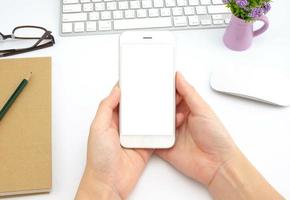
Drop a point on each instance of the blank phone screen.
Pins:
(147, 80)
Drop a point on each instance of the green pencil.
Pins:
(14, 96)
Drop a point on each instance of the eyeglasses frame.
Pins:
(46, 36)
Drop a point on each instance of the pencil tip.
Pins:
(28, 76)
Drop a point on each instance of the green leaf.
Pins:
(244, 13)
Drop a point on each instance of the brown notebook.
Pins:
(25, 130)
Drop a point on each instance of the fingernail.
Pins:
(113, 89)
(181, 76)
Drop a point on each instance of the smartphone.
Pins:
(147, 83)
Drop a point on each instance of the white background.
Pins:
(86, 68)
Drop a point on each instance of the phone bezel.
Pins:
(147, 141)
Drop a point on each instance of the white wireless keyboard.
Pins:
(84, 17)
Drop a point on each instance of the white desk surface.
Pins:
(85, 69)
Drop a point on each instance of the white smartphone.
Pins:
(147, 83)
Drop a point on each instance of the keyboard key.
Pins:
(111, 5)
(170, 3)
(201, 10)
(79, 27)
(106, 15)
(218, 9)
(99, 6)
(141, 13)
(182, 2)
(217, 2)
(205, 2)
(205, 20)
(94, 15)
(70, 1)
(91, 26)
(135, 4)
(142, 23)
(74, 17)
(153, 12)
(146, 4)
(118, 14)
(67, 27)
(177, 11)
(72, 8)
(193, 20)
(193, 2)
(217, 17)
(123, 5)
(165, 12)
(158, 3)
(180, 21)
(85, 1)
(219, 21)
(88, 7)
(129, 13)
(105, 25)
(189, 10)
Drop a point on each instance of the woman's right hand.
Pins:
(202, 143)
(205, 152)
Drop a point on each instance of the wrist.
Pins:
(238, 179)
(92, 187)
(230, 176)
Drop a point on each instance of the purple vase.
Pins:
(239, 34)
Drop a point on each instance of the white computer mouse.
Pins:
(264, 84)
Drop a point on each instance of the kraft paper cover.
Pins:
(25, 130)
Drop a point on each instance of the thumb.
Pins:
(193, 100)
(106, 108)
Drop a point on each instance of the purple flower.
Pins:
(226, 1)
(266, 7)
(257, 12)
(242, 3)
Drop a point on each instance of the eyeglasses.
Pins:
(30, 37)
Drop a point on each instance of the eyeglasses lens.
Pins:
(23, 38)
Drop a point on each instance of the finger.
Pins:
(179, 118)
(106, 109)
(182, 112)
(168, 155)
(116, 84)
(194, 101)
(145, 154)
(178, 98)
(115, 119)
(182, 108)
